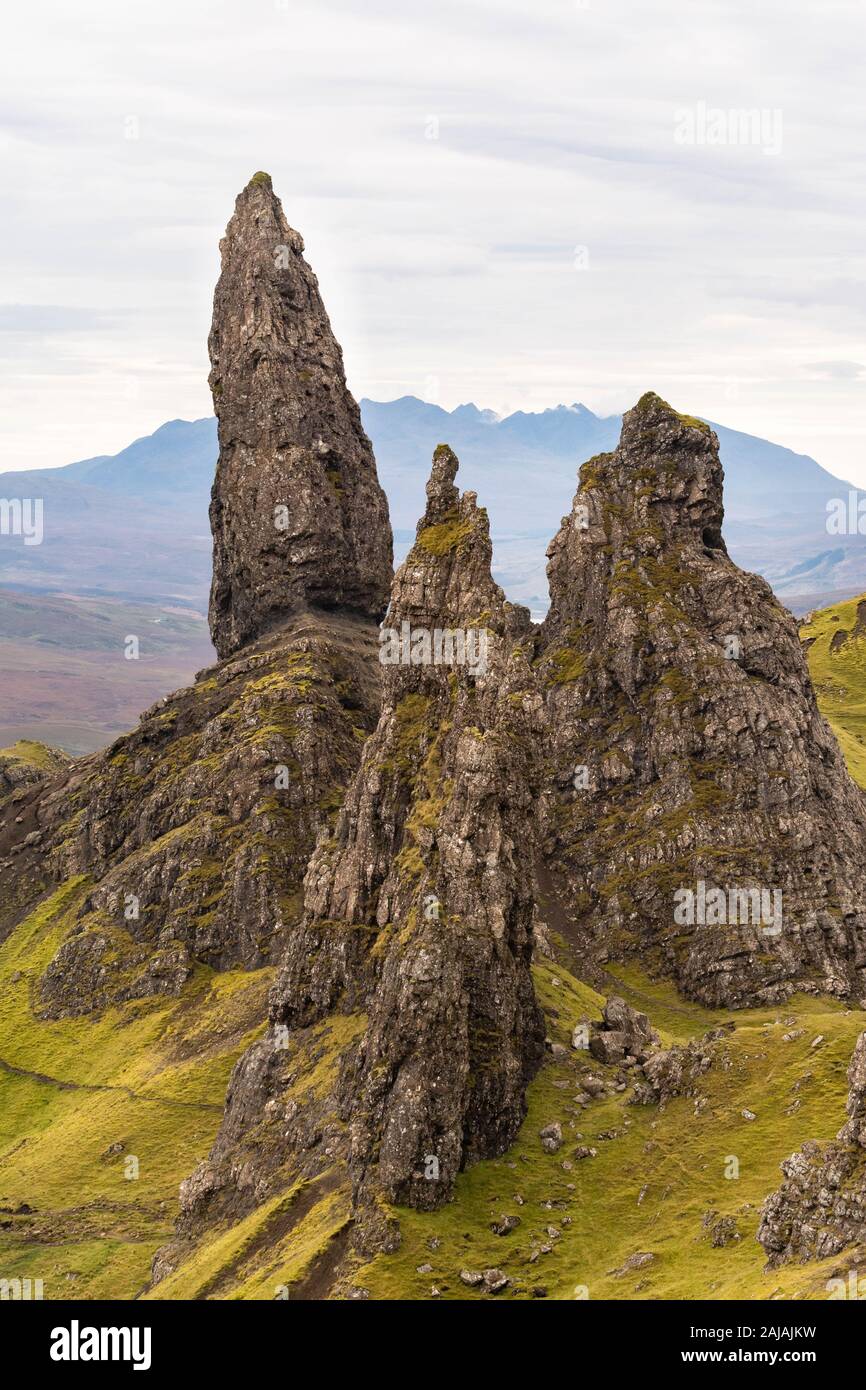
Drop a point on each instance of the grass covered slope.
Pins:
(657, 1185)
(657, 1172)
(835, 642)
(151, 1077)
(80, 1098)
(101, 1118)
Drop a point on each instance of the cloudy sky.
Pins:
(516, 204)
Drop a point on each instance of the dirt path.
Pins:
(44, 1080)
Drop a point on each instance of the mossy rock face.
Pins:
(27, 762)
(445, 536)
(195, 829)
(685, 735)
(419, 904)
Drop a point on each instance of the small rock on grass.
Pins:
(551, 1137)
(505, 1225)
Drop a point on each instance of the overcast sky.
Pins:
(515, 204)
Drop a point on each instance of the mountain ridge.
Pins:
(763, 530)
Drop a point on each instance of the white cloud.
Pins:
(714, 274)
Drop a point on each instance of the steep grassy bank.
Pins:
(102, 1117)
(835, 641)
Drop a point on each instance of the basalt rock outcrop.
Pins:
(193, 832)
(687, 751)
(366, 812)
(820, 1208)
(419, 909)
(196, 828)
(297, 513)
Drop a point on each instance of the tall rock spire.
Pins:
(421, 903)
(417, 935)
(703, 814)
(298, 516)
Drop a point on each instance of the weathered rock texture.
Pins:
(676, 1071)
(196, 828)
(687, 745)
(821, 1206)
(623, 1032)
(27, 763)
(297, 513)
(419, 910)
(194, 831)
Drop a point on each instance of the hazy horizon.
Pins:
(520, 209)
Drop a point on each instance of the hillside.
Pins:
(147, 1081)
(357, 969)
(66, 677)
(835, 642)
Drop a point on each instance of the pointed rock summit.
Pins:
(419, 905)
(195, 829)
(298, 517)
(701, 813)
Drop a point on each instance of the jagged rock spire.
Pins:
(297, 513)
(687, 744)
(420, 905)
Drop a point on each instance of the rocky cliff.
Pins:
(26, 763)
(297, 513)
(194, 830)
(701, 812)
(356, 820)
(820, 1208)
(418, 912)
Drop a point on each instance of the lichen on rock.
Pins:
(687, 750)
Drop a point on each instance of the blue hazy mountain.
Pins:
(135, 524)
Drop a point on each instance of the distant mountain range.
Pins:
(131, 530)
(134, 525)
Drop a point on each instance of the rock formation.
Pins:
(688, 755)
(623, 1032)
(821, 1206)
(419, 904)
(366, 812)
(297, 513)
(195, 829)
(27, 763)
